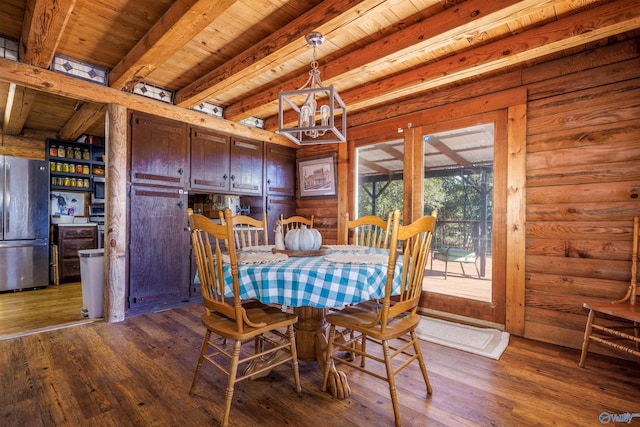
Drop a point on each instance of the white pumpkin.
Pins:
(303, 239)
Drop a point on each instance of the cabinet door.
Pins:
(158, 151)
(246, 167)
(281, 170)
(158, 247)
(209, 161)
(277, 205)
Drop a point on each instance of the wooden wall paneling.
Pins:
(602, 289)
(116, 219)
(515, 219)
(325, 210)
(347, 181)
(431, 100)
(503, 143)
(582, 193)
(485, 103)
(615, 102)
(605, 63)
(580, 248)
(413, 175)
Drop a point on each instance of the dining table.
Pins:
(331, 278)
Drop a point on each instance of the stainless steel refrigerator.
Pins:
(24, 223)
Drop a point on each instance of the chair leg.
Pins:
(205, 345)
(587, 336)
(423, 367)
(636, 331)
(294, 360)
(328, 359)
(392, 383)
(233, 372)
(446, 264)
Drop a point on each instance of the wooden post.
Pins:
(116, 218)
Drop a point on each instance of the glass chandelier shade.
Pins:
(321, 113)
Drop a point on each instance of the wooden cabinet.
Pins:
(159, 264)
(246, 167)
(159, 151)
(280, 183)
(281, 171)
(210, 170)
(67, 240)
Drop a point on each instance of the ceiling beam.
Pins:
(397, 154)
(588, 26)
(75, 88)
(374, 166)
(19, 104)
(42, 28)
(432, 33)
(278, 45)
(444, 149)
(86, 115)
(184, 20)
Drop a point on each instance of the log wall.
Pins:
(583, 170)
(582, 180)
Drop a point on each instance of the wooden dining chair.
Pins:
(294, 222)
(616, 324)
(369, 230)
(390, 322)
(248, 231)
(225, 318)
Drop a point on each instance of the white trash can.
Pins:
(92, 277)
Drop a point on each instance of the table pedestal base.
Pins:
(311, 344)
(311, 340)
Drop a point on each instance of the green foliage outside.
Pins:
(447, 195)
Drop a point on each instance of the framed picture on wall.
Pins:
(317, 176)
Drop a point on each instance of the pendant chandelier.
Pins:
(322, 116)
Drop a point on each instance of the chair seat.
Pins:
(455, 255)
(355, 318)
(624, 311)
(273, 318)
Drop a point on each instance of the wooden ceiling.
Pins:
(239, 54)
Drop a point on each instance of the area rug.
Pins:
(485, 342)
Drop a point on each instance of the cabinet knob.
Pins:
(180, 171)
(269, 181)
(225, 176)
(233, 177)
(180, 204)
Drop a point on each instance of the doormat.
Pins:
(485, 342)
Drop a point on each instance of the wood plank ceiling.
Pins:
(238, 54)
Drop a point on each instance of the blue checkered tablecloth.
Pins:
(313, 281)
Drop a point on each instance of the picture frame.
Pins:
(317, 176)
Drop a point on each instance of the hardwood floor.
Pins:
(31, 311)
(138, 372)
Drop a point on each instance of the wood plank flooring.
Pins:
(38, 310)
(138, 372)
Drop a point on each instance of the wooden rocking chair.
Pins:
(625, 338)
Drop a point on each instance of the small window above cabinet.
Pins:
(73, 165)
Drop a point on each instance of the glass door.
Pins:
(465, 181)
